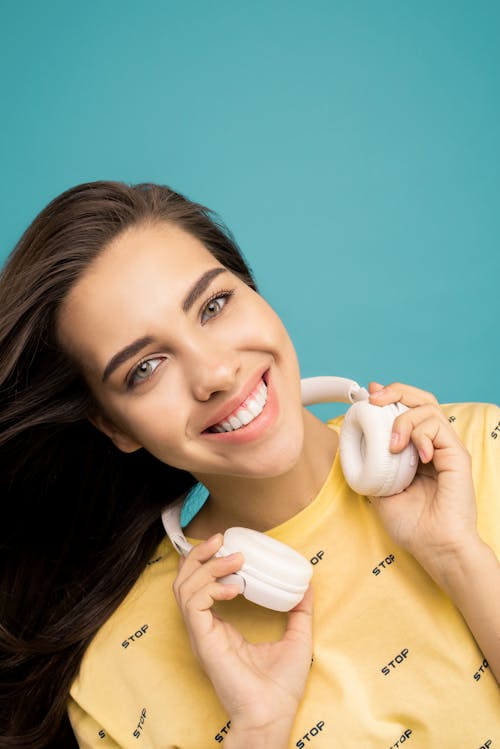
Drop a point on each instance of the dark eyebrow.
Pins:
(122, 356)
(200, 286)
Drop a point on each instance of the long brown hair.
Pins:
(80, 519)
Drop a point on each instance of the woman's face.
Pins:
(184, 358)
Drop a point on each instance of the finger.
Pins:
(196, 594)
(300, 618)
(422, 425)
(204, 598)
(436, 441)
(185, 586)
(198, 555)
(197, 612)
(399, 392)
(405, 424)
(206, 549)
(424, 445)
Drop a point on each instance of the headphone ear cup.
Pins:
(367, 463)
(275, 575)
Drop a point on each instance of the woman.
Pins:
(133, 341)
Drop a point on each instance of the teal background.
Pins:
(352, 148)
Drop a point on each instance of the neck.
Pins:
(262, 504)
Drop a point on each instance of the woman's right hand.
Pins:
(260, 685)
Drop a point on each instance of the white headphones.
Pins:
(275, 575)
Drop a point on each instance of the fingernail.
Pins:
(232, 556)
(378, 393)
(212, 538)
(423, 455)
(395, 438)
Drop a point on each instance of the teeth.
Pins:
(244, 416)
(255, 407)
(246, 413)
(260, 399)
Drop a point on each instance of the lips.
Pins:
(242, 409)
(251, 407)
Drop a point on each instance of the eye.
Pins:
(142, 371)
(215, 305)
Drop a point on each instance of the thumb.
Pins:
(299, 623)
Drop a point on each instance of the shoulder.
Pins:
(127, 672)
(142, 613)
(478, 427)
(477, 424)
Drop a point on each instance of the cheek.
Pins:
(164, 438)
(274, 333)
(151, 425)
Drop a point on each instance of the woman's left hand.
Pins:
(436, 514)
(435, 517)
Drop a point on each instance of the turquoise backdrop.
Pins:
(352, 147)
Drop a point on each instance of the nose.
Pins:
(212, 371)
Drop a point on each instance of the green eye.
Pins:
(143, 371)
(213, 308)
(215, 305)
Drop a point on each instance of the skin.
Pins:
(202, 362)
(136, 287)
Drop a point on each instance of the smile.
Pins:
(246, 412)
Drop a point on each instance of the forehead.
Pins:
(140, 273)
(160, 247)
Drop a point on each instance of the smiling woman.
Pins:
(139, 361)
(54, 463)
(203, 342)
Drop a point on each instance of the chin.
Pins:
(279, 459)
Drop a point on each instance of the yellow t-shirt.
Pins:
(394, 662)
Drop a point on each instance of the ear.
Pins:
(120, 439)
